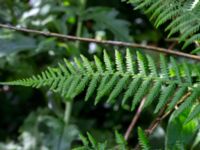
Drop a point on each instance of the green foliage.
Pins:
(89, 143)
(106, 18)
(71, 78)
(180, 134)
(143, 140)
(182, 15)
(41, 130)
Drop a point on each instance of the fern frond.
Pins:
(187, 103)
(143, 140)
(182, 16)
(153, 94)
(130, 67)
(120, 78)
(90, 143)
(144, 88)
(166, 93)
(142, 63)
(107, 62)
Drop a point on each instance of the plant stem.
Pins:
(134, 120)
(68, 108)
(115, 43)
(161, 116)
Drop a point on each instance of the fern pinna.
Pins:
(134, 79)
(183, 17)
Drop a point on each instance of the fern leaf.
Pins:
(73, 86)
(130, 67)
(70, 66)
(118, 88)
(142, 63)
(91, 87)
(143, 140)
(190, 40)
(141, 92)
(187, 102)
(144, 80)
(98, 64)
(188, 75)
(108, 62)
(81, 86)
(165, 96)
(179, 93)
(66, 84)
(164, 67)
(87, 64)
(64, 70)
(152, 95)
(119, 62)
(193, 114)
(176, 68)
(79, 65)
(106, 89)
(152, 66)
(92, 140)
(131, 89)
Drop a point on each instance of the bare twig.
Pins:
(135, 118)
(116, 43)
(161, 116)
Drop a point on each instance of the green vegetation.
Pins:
(100, 96)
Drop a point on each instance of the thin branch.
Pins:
(161, 116)
(134, 120)
(116, 43)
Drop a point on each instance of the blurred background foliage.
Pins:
(33, 119)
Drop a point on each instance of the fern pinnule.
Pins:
(165, 95)
(189, 32)
(87, 64)
(153, 7)
(98, 64)
(130, 65)
(187, 71)
(142, 64)
(194, 95)
(143, 140)
(119, 62)
(141, 92)
(107, 87)
(176, 68)
(153, 94)
(178, 95)
(195, 112)
(158, 10)
(70, 67)
(91, 87)
(118, 88)
(79, 65)
(164, 67)
(152, 66)
(195, 37)
(132, 88)
(107, 62)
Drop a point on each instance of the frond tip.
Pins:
(137, 79)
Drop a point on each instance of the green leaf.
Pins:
(143, 140)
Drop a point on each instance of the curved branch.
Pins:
(116, 43)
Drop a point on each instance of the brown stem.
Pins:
(134, 120)
(116, 43)
(161, 116)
